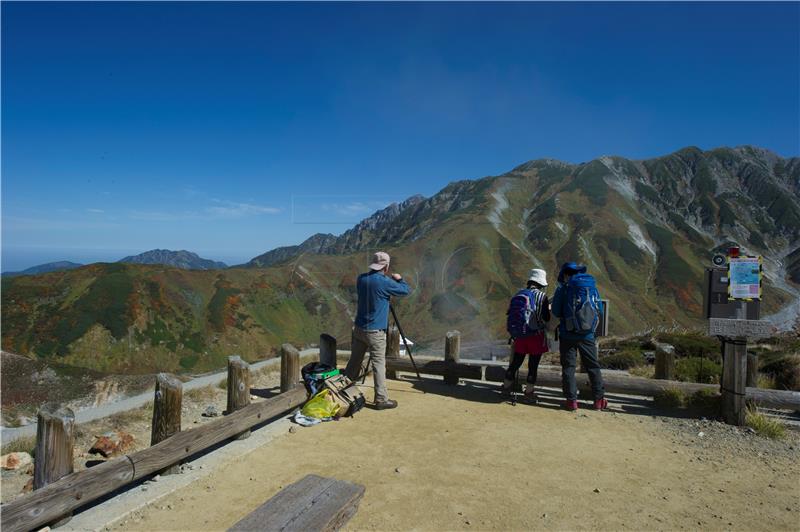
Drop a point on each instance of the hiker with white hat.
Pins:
(372, 320)
(526, 322)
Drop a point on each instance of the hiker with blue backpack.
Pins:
(576, 303)
(526, 322)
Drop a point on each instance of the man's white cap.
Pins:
(538, 276)
(380, 260)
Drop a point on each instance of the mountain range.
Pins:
(646, 229)
(179, 259)
(45, 268)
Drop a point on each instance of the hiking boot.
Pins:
(530, 395)
(600, 404)
(386, 405)
(507, 385)
(571, 404)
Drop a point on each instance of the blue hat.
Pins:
(570, 268)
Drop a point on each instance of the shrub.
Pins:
(693, 345)
(764, 426)
(670, 398)
(25, 444)
(765, 381)
(696, 369)
(647, 371)
(623, 360)
(785, 371)
(705, 399)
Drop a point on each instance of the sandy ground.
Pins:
(458, 459)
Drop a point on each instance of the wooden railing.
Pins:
(59, 491)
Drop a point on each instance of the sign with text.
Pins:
(744, 278)
(739, 328)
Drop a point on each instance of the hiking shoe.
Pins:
(386, 405)
(571, 404)
(530, 395)
(600, 404)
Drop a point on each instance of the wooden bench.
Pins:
(312, 503)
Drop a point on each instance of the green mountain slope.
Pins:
(646, 229)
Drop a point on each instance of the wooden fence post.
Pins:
(290, 367)
(166, 412)
(238, 388)
(734, 376)
(665, 362)
(452, 344)
(752, 370)
(55, 436)
(392, 349)
(327, 350)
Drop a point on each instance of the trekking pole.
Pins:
(514, 390)
(403, 336)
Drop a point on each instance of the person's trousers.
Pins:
(373, 342)
(570, 349)
(516, 363)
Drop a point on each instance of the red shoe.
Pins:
(571, 404)
(600, 404)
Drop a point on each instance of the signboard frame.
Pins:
(741, 285)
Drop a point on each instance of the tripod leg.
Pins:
(365, 369)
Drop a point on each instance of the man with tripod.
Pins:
(372, 320)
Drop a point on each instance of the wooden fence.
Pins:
(59, 491)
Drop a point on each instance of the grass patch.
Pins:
(705, 399)
(123, 420)
(670, 398)
(648, 371)
(696, 369)
(765, 381)
(626, 359)
(785, 372)
(26, 444)
(763, 425)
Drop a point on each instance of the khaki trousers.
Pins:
(375, 343)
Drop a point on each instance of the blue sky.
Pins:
(230, 129)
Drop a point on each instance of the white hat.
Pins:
(538, 276)
(380, 260)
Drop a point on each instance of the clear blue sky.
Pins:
(230, 129)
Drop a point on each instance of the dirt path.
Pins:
(440, 462)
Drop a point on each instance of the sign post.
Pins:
(733, 322)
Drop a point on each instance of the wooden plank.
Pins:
(734, 377)
(166, 412)
(73, 491)
(327, 350)
(238, 388)
(55, 438)
(392, 349)
(437, 367)
(290, 367)
(452, 345)
(313, 503)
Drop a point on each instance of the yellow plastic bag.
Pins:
(321, 406)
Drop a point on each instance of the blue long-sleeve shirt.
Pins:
(374, 290)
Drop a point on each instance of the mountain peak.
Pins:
(179, 259)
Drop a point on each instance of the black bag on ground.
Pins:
(315, 374)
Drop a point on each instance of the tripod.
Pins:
(408, 349)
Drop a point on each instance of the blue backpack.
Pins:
(521, 316)
(581, 311)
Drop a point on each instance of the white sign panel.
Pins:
(745, 278)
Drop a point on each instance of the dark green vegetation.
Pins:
(646, 230)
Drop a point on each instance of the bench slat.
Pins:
(312, 503)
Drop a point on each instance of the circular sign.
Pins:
(719, 260)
